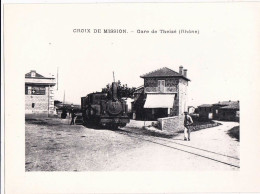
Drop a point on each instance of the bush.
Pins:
(234, 132)
(155, 124)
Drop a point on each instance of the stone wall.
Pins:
(151, 85)
(175, 124)
(41, 102)
(153, 82)
(175, 109)
(171, 124)
(182, 96)
(157, 89)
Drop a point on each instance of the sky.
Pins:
(41, 38)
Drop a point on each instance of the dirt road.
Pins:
(53, 145)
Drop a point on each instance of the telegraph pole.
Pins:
(48, 100)
(63, 98)
(57, 78)
(113, 76)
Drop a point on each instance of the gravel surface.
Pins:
(215, 139)
(53, 145)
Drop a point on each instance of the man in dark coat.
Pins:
(64, 113)
(187, 122)
(73, 115)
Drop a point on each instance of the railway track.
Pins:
(172, 144)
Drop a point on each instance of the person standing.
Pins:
(64, 113)
(73, 115)
(187, 122)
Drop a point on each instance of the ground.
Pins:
(54, 145)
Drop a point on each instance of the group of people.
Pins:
(72, 113)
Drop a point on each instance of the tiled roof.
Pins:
(226, 103)
(206, 105)
(234, 105)
(37, 75)
(140, 87)
(139, 90)
(163, 72)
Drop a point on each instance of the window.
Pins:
(40, 90)
(161, 85)
(33, 74)
(33, 105)
(26, 89)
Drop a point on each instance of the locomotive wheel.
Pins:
(114, 126)
(123, 125)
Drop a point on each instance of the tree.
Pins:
(123, 91)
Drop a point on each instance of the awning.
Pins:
(159, 101)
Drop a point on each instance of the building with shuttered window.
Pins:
(164, 94)
(39, 94)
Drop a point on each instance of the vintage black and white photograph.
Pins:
(122, 99)
(131, 87)
(117, 127)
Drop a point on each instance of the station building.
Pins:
(39, 94)
(164, 94)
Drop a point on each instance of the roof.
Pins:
(206, 105)
(139, 90)
(231, 106)
(37, 75)
(164, 72)
(226, 103)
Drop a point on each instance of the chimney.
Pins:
(185, 72)
(180, 70)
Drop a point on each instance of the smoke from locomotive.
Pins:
(105, 108)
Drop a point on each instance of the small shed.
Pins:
(205, 111)
(221, 104)
(191, 109)
(229, 113)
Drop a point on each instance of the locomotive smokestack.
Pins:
(113, 77)
(114, 90)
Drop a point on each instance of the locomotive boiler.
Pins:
(105, 108)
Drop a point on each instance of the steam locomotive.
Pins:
(106, 109)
